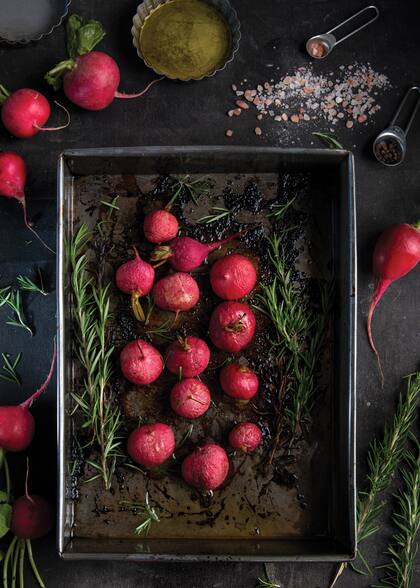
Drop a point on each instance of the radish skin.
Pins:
(177, 292)
(206, 468)
(32, 517)
(232, 277)
(187, 356)
(245, 437)
(151, 445)
(141, 363)
(232, 326)
(160, 226)
(135, 277)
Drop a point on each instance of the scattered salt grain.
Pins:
(229, 133)
(257, 131)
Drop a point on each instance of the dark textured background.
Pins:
(194, 113)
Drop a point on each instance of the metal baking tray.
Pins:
(92, 526)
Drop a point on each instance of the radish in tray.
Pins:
(187, 356)
(206, 468)
(160, 226)
(232, 277)
(135, 277)
(141, 363)
(25, 112)
(177, 292)
(186, 254)
(12, 184)
(190, 398)
(151, 445)
(239, 381)
(232, 326)
(245, 437)
(17, 425)
(90, 78)
(397, 252)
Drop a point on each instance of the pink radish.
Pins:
(17, 425)
(25, 112)
(187, 356)
(186, 254)
(135, 277)
(151, 445)
(32, 517)
(160, 226)
(177, 292)
(141, 363)
(190, 398)
(232, 277)
(245, 437)
(90, 78)
(12, 184)
(239, 381)
(232, 326)
(396, 253)
(206, 468)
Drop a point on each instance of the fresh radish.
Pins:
(245, 437)
(186, 254)
(25, 112)
(32, 517)
(397, 252)
(151, 445)
(135, 277)
(206, 468)
(17, 425)
(177, 292)
(12, 184)
(232, 277)
(141, 363)
(90, 78)
(232, 326)
(187, 356)
(190, 398)
(239, 381)
(160, 226)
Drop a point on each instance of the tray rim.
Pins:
(139, 151)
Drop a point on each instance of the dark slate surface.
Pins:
(194, 114)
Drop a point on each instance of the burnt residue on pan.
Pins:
(281, 500)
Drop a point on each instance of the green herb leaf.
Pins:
(53, 77)
(4, 94)
(5, 514)
(329, 139)
(82, 35)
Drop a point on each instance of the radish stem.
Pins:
(33, 564)
(123, 95)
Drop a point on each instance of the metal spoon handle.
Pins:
(374, 8)
(401, 106)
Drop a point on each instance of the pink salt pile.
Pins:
(348, 96)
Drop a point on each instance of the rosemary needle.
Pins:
(144, 508)
(329, 139)
(28, 285)
(13, 300)
(9, 368)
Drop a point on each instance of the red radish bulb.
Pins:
(32, 517)
(160, 226)
(151, 445)
(232, 326)
(140, 362)
(239, 381)
(91, 80)
(17, 425)
(190, 398)
(188, 356)
(12, 183)
(206, 468)
(245, 437)
(135, 277)
(176, 292)
(25, 112)
(232, 277)
(397, 252)
(186, 254)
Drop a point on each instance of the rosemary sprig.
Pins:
(112, 205)
(383, 459)
(219, 213)
(13, 300)
(301, 334)
(91, 315)
(266, 582)
(329, 139)
(28, 285)
(193, 187)
(9, 369)
(143, 508)
(278, 210)
(186, 436)
(163, 330)
(403, 549)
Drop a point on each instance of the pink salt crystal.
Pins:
(248, 95)
(257, 131)
(234, 88)
(237, 111)
(294, 118)
(349, 124)
(284, 116)
(242, 104)
(278, 117)
(362, 118)
(259, 116)
(230, 112)
(229, 133)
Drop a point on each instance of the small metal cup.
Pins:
(395, 134)
(323, 44)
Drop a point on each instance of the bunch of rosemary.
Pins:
(94, 399)
(301, 331)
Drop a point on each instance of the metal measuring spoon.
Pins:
(390, 145)
(320, 46)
